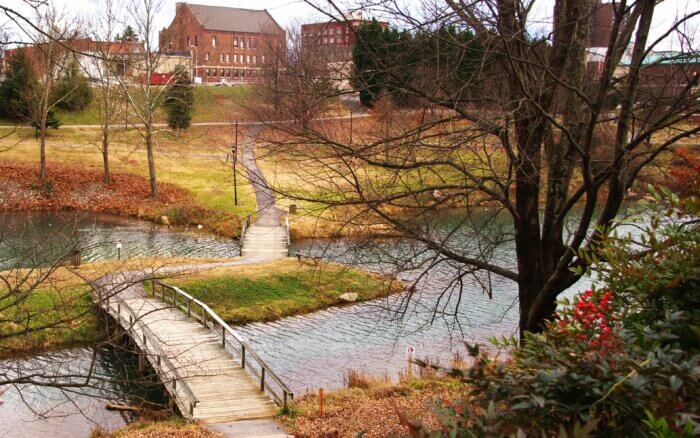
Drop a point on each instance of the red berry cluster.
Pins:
(591, 320)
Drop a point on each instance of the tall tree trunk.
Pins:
(42, 147)
(105, 154)
(151, 162)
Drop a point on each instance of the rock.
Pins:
(348, 297)
(164, 220)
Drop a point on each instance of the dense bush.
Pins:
(179, 100)
(15, 89)
(621, 360)
(73, 92)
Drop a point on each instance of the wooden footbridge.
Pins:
(209, 370)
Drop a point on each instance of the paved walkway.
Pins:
(266, 237)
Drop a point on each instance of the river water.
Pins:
(309, 351)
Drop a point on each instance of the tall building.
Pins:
(227, 45)
(600, 23)
(334, 39)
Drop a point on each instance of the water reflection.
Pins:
(70, 411)
(40, 237)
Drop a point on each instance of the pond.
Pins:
(30, 411)
(314, 350)
(39, 237)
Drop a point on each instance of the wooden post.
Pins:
(223, 336)
(284, 399)
(142, 362)
(262, 379)
(320, 401)
(243, 356)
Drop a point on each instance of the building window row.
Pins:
(242, 42)
(231, 73)
(238, 59)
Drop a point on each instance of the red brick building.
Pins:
(227, 45)
(334, 38)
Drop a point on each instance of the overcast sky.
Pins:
(288, 12)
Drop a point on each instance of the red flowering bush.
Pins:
(590, 320)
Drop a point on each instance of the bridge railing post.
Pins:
(262, 379)
(243, 356)
(223, 336)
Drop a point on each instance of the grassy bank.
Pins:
(265, 292)
(211, 104)
(372, 407)
(50, 318)
(195, 162)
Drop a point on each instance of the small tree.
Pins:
(129, 35)
(179, 100)
(73, 92)
(20, 78)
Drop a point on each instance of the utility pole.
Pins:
(234, 155)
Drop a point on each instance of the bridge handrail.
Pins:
(244, 228)
(160, 354)
(246, 349)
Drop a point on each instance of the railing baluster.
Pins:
(243, 356)
(262, 379)
(223, 336)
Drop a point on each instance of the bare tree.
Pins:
(49, 57)
(145, 98)
(473, 109)
(105, 67)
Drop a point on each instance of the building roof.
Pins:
(234, 19)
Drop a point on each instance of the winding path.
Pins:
(206, 381)
(266, 238)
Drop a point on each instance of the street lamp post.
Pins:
(119, 250)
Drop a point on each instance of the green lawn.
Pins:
(245, 294)
(211, 104)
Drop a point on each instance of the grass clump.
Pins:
(244, 294)
(372, 407)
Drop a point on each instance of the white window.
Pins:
(221, 57)
(255, 59)
(235, 58)
(325, 40)
(248, 59)
(228, 57)
(262, 59)
(235, 41)
(213, 41)
(188, 42)
(207, 57)
(332, 40)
